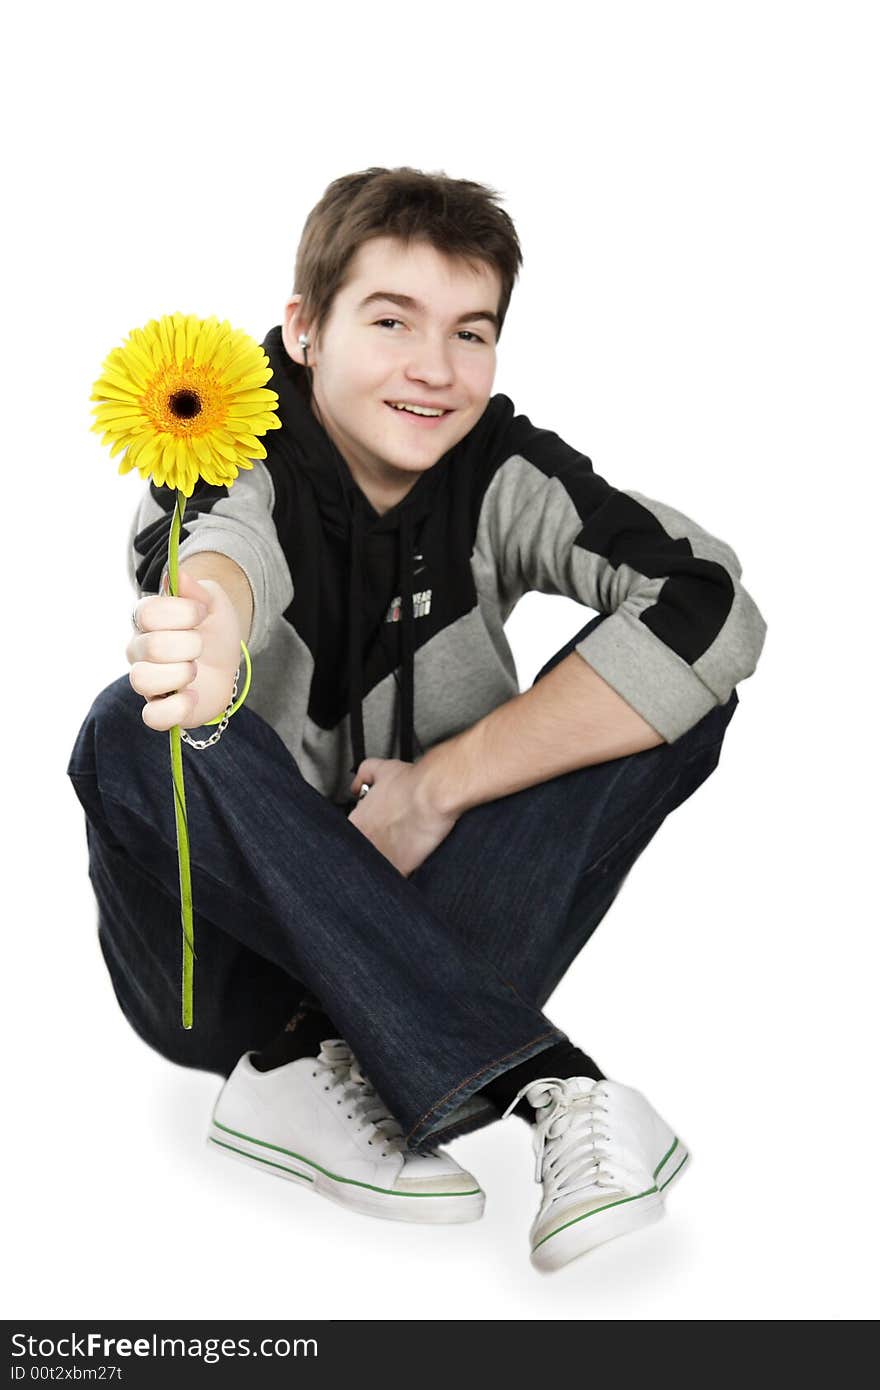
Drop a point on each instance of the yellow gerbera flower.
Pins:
(184, 398)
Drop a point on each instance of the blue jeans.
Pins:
(436, 981)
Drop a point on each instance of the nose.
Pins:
(430, 361)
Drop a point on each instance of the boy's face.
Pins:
(438, 351)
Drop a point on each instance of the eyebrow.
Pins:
(406, 301)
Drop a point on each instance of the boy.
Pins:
(397, 855)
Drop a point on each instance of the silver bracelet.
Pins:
(206, 742)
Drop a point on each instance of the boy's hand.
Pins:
(396, 815)
(184, 659)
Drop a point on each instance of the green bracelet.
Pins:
(240, 701)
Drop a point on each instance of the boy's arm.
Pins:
(681, 630)
(228, 534)
(570, 718)
(209, 564)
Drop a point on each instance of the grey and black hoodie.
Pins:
(380, 636)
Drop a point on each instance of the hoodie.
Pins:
(383, 635)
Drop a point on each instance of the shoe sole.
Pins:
(431, 1209)
(617, 1219)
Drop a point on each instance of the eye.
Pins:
(469, 335)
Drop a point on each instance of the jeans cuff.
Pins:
(423, 1135)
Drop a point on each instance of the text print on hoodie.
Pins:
(381, 636)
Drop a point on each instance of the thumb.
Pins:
(190, 587)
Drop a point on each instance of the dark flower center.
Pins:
(184, 404)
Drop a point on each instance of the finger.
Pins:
(366, 773)
(156, 613)
(150, 680)
(163, 647)
(168, 710)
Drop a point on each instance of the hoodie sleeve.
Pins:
(236, 521)
(681, 630)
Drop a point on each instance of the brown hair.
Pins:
(456, 216)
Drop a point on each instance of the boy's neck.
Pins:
(382, 496)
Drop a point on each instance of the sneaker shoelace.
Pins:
(356, 1092)
(571, 1142)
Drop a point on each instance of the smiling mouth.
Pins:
(416, 415)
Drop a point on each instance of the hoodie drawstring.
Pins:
(407, 638)
(355, 636)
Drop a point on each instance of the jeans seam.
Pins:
(529, 1003)
(468, 1079)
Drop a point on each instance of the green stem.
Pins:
(186, 911)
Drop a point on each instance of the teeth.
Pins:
(415, 409)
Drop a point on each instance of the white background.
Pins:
(695, 188)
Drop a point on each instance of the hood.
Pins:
(345, 510)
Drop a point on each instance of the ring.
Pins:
(134, 621)
(365, 787)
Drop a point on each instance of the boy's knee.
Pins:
(118, 700)
(112, 713)
(710, 730)
(697, 753)
(680, 765)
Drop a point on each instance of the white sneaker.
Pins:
(319, 1122)
(605, 1159)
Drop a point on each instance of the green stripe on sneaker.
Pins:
(352, 1182)
(283, 1168)
(619, 1203)
(666, 1157)
(672, 1175)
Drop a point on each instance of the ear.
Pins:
(292, 327)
